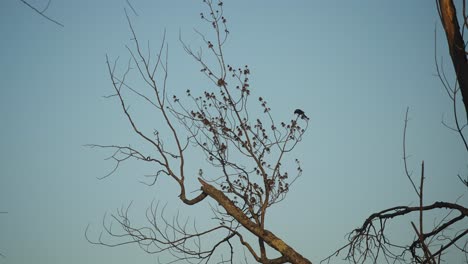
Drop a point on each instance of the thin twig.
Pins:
(131, 7)
(42, 13)
(408, 174)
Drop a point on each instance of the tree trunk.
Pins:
(448, 16)
(272, 240)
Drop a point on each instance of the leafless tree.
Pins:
(246, 149)
(371, 242)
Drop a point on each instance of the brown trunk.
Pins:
(269, 238)
(448, 16)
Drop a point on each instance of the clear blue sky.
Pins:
(353, 66)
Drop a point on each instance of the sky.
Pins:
(353, 66)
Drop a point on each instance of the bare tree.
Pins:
(371, 242)
(247, 152)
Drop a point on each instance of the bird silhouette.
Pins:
(301, 114)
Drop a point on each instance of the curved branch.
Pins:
(266, 235)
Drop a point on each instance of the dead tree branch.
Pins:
(42, 13)
(246, 152)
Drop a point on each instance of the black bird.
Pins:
(301, 113)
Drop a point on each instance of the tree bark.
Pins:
(448, 16)
(272, 240)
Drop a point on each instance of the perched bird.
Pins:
(301, 114)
